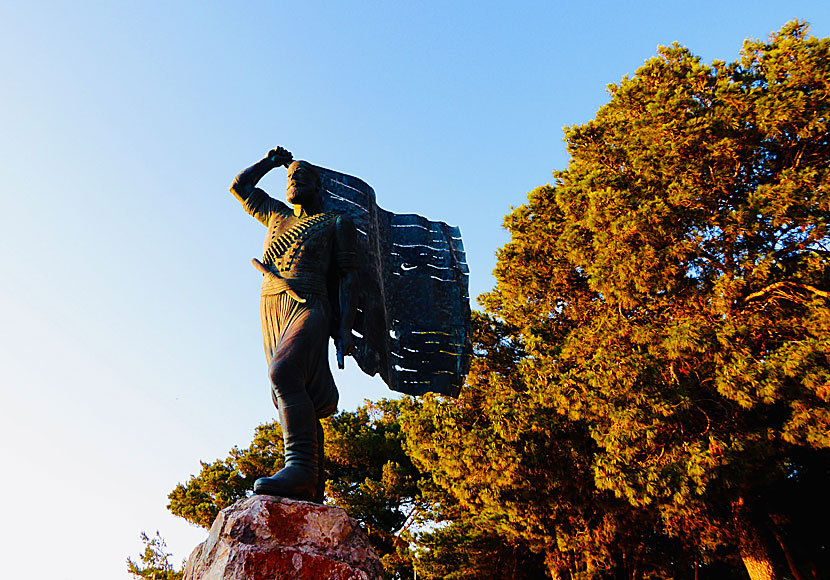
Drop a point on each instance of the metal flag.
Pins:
(413, 319)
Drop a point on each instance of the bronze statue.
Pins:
(335, 263)
(306, 251)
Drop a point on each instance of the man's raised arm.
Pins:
(255, 201)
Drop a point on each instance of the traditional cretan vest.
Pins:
(299, 258)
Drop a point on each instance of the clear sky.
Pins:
(129, 324)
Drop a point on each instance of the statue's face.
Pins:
(302, 185)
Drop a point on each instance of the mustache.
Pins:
(302, 190)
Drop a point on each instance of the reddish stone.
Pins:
(274, 538)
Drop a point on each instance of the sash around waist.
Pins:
(307, 283)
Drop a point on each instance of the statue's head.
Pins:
(303, 184)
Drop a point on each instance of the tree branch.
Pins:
(785, 284)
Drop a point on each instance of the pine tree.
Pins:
(655, 393)
(513, 484)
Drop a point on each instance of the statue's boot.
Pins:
(299, 478)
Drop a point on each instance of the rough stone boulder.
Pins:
(272, 538)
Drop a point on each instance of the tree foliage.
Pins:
(225, 481)
(654, 392)
(154, 562)
(374, 480)
(513, 481)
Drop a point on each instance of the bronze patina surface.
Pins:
(390, 289)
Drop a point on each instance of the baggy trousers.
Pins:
(295, 336)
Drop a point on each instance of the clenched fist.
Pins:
(280, 156)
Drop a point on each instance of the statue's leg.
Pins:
(299, 479)
(298, 332)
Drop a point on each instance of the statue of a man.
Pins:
(308, 257)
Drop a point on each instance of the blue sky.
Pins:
(130, 345)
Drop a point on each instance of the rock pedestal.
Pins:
(276, 538)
